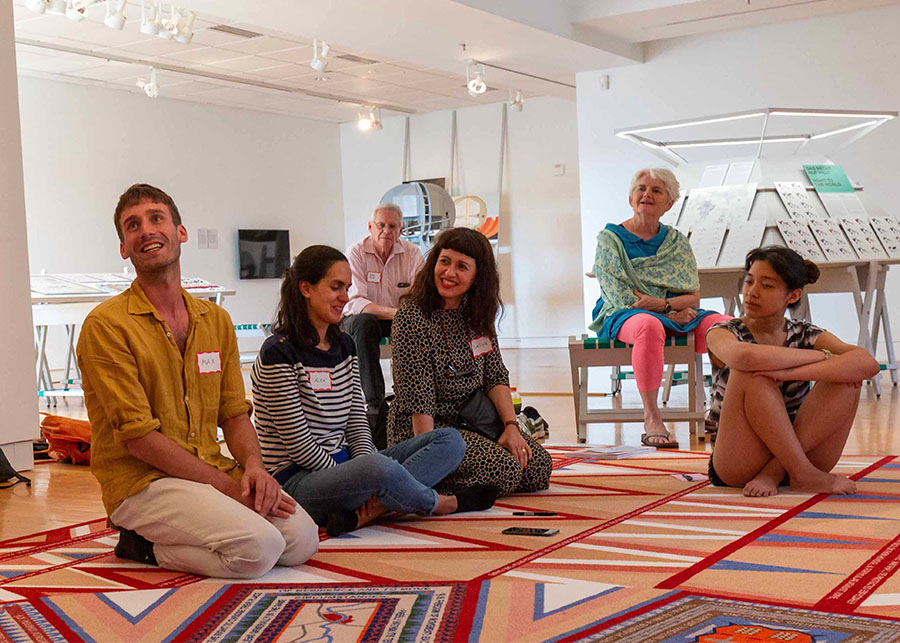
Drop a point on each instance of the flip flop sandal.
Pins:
(670, 443)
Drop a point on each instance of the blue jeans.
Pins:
(401, 477)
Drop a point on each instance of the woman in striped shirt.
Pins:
(311, 418)
(770, 422)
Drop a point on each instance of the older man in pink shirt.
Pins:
(383, 267)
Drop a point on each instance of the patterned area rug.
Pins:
(646, 551)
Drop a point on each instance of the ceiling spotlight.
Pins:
(115, 14)
(151, 88)
(185, 27)
(319, 64)
(517, 100)
(324, 49)
(151, 17)
(475, 78)
(369, 118)
(57, 7)
(169, 26)
(37, 6)
(75, 10)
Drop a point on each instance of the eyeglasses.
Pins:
(381, 225)
(453, 372)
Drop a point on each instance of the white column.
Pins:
(18, 417)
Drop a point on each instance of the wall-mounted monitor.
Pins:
(263, 254)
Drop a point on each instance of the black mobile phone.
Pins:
(535, 513)
(530, 531)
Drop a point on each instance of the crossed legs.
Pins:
(757, 444)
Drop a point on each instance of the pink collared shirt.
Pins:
(381, 282)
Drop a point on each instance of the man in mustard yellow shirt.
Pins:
(161, 371)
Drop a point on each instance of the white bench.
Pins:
(588, 352)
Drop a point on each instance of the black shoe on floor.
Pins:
(340, 522)
(477, 498)
(133, 546)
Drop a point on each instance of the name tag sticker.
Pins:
(481, 346)
(319, 380)
(209, 362)
(374, 278)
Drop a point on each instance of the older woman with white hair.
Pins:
(650, 289)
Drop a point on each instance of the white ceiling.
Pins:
(417, 45)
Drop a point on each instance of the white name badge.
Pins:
(481, 346)
(319, 380)
(209, 362)
(374, 278)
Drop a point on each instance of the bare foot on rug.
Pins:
(760, 487)
(820, 482)
(369, 511)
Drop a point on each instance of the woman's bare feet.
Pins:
(816, 481)
(760, 487)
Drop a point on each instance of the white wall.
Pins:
(19, 424)
(539, 227)
(844, 61)
(225, 168)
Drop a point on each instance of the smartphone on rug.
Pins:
(535, 513)
(530, 531)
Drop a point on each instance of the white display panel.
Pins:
(742, 238)
(832, 241)
(798, 237)
(862, 238)
(728, 203)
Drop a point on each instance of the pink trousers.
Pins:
(648, 335)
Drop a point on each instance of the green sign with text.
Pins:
(828, 178)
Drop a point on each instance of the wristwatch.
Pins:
(668, 308)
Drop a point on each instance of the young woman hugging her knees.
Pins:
(774, 427)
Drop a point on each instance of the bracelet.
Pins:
(514, 423)
(827, 353)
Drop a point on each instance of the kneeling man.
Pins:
(161, 371)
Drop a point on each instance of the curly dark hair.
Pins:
(292, 318)
(482, 303)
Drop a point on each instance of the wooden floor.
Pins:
(65, 494)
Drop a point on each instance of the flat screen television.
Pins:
(263, 254)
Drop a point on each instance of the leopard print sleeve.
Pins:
(412, 363)
(495, 371)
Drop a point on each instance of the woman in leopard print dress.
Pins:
(445, 347)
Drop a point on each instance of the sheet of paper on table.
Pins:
(706, 242)
(797, 201)
(742, 238)
(797, 236)
(888, 231)
(728, 203)
(862, 238)
(832, 240)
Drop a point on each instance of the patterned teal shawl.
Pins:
(672, 269)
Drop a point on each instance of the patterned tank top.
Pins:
(800, 334)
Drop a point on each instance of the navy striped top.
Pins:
(309, 405)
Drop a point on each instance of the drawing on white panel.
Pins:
(728, 203)
(862, 238)
(833, 242)
(670, 218)
(843, 204)
(706, 241)
(888, 231)
(742, 238)
(797, 200)
(797, 236)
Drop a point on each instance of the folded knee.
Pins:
(256, 553)
(650, 330)
(301, 538)
(452, 444)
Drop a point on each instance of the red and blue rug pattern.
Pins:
(646, 551)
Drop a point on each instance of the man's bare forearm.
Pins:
(161, 452)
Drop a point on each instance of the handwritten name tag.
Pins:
(319, 380)
(209, 362)
(481, 346)
(374, 278)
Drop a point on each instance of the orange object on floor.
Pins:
(69, 439)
